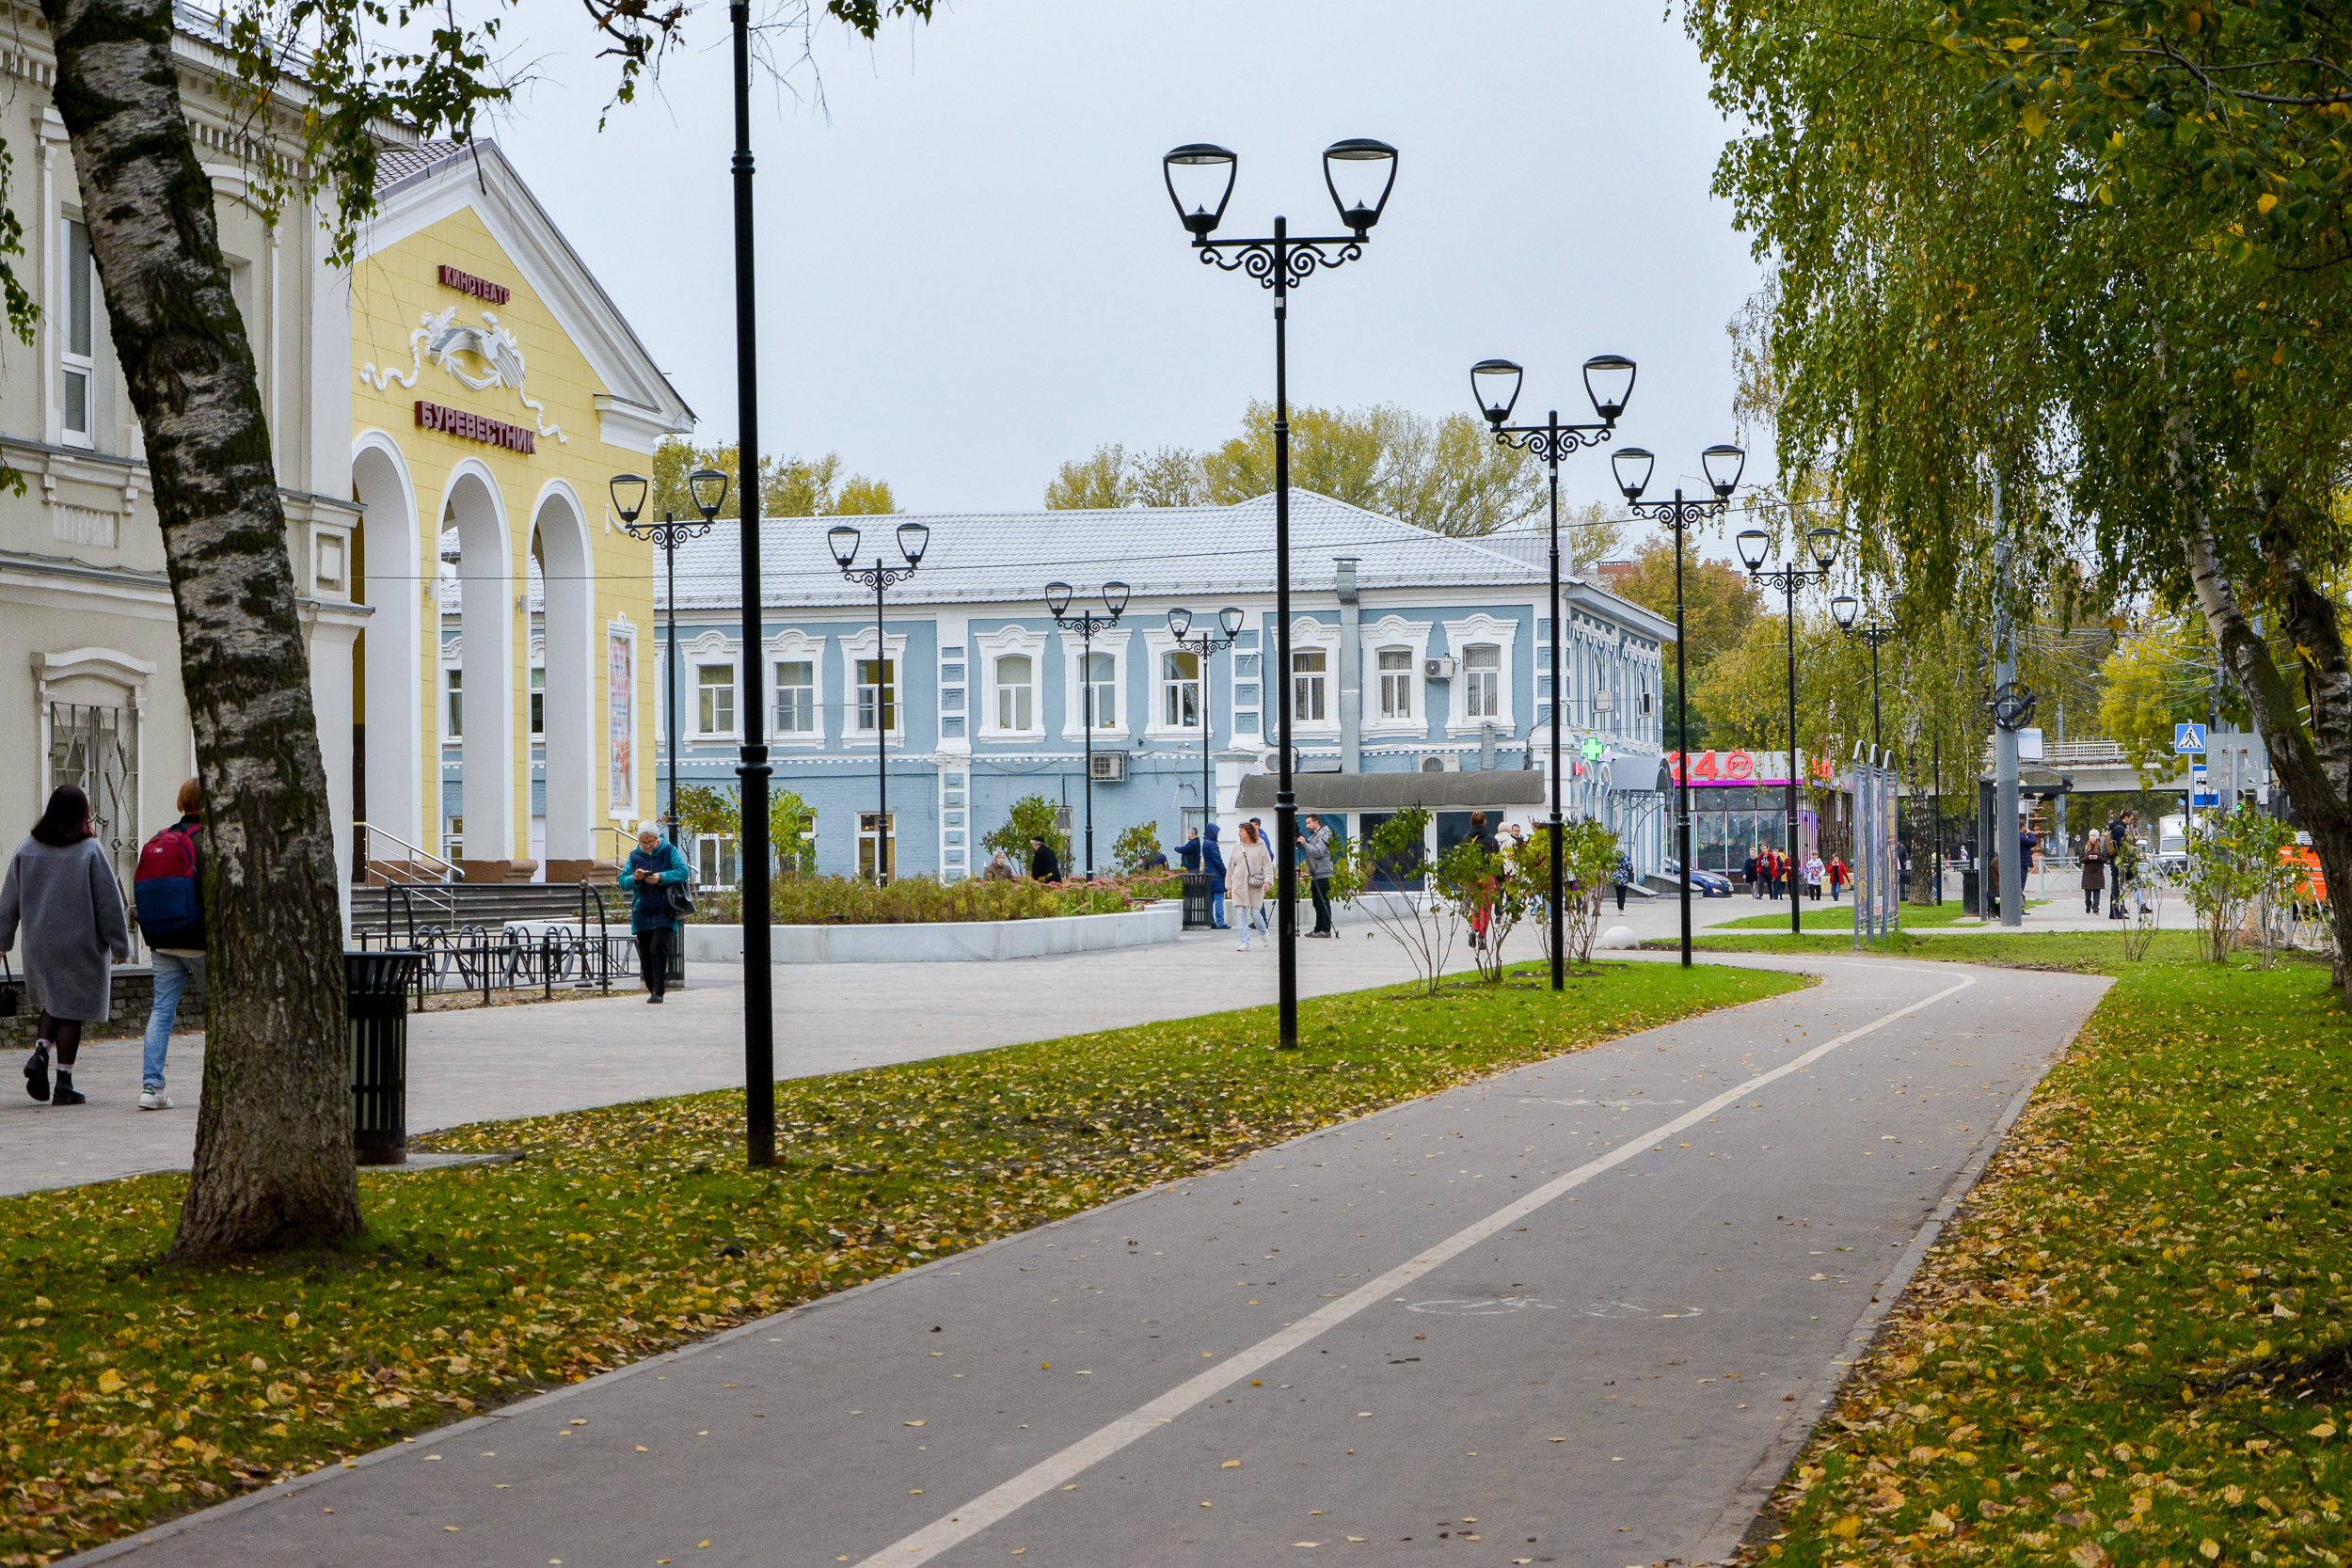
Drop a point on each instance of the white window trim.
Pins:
(1114, 645)
(860, 646)
(794, 646)
(695, 665)
(1459, 635)
(1307, 636)
(1393, 631)
(85, 365)
(711, 647)
(980, 682)
(453, 657)
(1157, 642)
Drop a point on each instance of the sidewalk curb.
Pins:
(1744, 1518)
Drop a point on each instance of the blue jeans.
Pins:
(1217, 908)
(173, 973)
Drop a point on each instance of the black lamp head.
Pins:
(914, 538)
(628, 496)
(1115, 599)
(1058, 598)
(1179, 623)
(1754, 543)
(1632, 466)
(1844, 609)
(709, 486)
(1724, 464)
(842, 540)
(1368, 170)
(1609, 382)
(1824, 542)
(1494, 383)
(1230, 619)
(1200, 180)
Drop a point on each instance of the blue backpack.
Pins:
(165, 887)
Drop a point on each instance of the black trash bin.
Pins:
(1198, 888)
(376, 998)
(1969, 882)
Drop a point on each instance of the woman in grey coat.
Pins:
(60, 890)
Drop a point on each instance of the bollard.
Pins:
(375, 1000)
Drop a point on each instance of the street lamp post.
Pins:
(1609, 382)
(709, 486)
(914, 538)
(1085, 623)
(1722, 465)
(1368, 170)
(1847, 609)
(1754, 544)
(1205, 646)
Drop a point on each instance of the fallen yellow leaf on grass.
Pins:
(109, 1381)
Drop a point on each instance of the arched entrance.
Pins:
(389, 723)
(472, 510)
(559, 547)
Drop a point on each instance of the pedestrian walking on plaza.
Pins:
(61, 893)
(2094, 878)
(1813, 871)
(1483, 916)
(168, 891)
(1837, 877)
(1750, 868)
(1044, 865)
(1314, 847)
(1621, 878)
(654, 868)
(2118, 831)
(1773, 872)
(1212, 862)
(1246, 877)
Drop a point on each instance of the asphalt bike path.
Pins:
(1581, 1312)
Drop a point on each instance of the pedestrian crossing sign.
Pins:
(2188, 738)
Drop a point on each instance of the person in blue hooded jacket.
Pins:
(1214, 862)
(652, 868)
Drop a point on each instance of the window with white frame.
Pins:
(717, 861)
(77, 334)
(796, 696)
(1102, 690)
(1481, 681)
(1180, 690)
(454, 699)
(877, 694)
(1308, 670)
(539, 701)
(1397, 682)
(714, 699)
(1016, 693)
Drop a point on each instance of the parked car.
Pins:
(1707, 884)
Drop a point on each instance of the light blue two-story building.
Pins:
(1411, 653)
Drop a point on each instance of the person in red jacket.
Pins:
(1837, 877)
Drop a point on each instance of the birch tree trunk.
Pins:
(273, 1146)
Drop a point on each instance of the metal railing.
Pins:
(588, 954)
(450, 870)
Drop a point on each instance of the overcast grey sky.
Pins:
(969, 270)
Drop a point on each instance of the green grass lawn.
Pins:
(2133, 1347)
(130, 1391)
(1839, 917)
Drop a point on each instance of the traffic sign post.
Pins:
(2188, 738)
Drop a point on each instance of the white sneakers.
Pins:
(154, 1100)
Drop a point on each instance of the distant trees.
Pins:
(789, 486)
(1447, 475)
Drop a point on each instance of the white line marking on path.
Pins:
(1056, 1470)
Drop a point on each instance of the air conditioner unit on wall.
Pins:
(1442, 762)
(1109, 767)
(1436, 669)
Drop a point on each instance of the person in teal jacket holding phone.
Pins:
(653, 869)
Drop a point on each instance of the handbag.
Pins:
(12, 989)
(682, 900)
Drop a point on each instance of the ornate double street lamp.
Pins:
(1085, 623)
(914, 538)
(1847, 609)
(1609, 382)
(709, 487)
(1203, 647)
(1755, 544)
(1358, 173)
(1721, 464)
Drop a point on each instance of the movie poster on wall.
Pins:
(620, 720)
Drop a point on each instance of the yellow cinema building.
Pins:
(503, 716)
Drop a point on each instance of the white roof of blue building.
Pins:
(1007, 557)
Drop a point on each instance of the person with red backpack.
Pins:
(167, 889)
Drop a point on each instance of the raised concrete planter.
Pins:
(946, 940)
